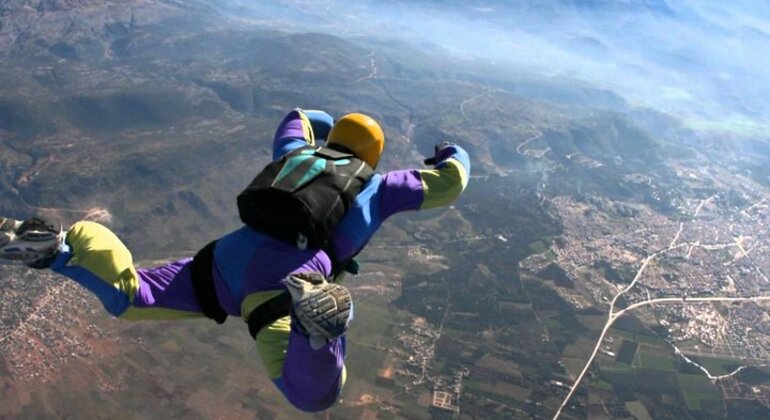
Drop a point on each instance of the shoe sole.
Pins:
(328, 314)
(30, 245)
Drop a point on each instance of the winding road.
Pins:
(372, 69)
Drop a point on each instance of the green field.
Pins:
(638, 410)
(370, 325)
(449, 120)
(365, 361)
(697, 383)
(498, 389)
(615, 366)
(657, 361)
(573, 366)
(552, 324)
(692, 400)
(650, 340)
(507, 367)
(717, 366)
(537, 247)
(592, 322)
(602, 385)
(697, 388)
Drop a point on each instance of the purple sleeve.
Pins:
(383, 196)
(312, 379)
(401, 191)
(289, 135)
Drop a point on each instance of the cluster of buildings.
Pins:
(694, 322)
(714, 249)
(445, 401)
(417, 347)
(418, 344)
(592, 235)
(43, 328)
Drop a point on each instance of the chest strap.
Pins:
(203, 283)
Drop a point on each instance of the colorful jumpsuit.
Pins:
(250, 267)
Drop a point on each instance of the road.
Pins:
(538, 134)
(372, 69)
(621, 312)
(473, 98)
(613, 316)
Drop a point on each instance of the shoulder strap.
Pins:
(203, 283)
(328, 153)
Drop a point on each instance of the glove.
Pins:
(320, 310)
(440, 153)
(321, 122)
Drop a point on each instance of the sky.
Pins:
(706, 62)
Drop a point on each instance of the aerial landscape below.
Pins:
(608, 259)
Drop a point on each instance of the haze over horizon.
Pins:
(699, 61)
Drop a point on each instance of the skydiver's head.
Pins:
(361, 135)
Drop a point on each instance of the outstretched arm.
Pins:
(397, 191)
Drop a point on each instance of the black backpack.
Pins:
(301, 197)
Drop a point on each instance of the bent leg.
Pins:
(311, 380)
(96, 258)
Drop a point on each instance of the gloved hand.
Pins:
(320, 310)
(441, 152)
(321, 122)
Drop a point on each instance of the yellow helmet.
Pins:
(360, 134)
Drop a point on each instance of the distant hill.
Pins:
(42, 6)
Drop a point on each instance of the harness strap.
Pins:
(205, 292)
(203, 283)
(263, 315)
(267, 313)
(349, 265)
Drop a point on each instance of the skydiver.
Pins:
(303, 356)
